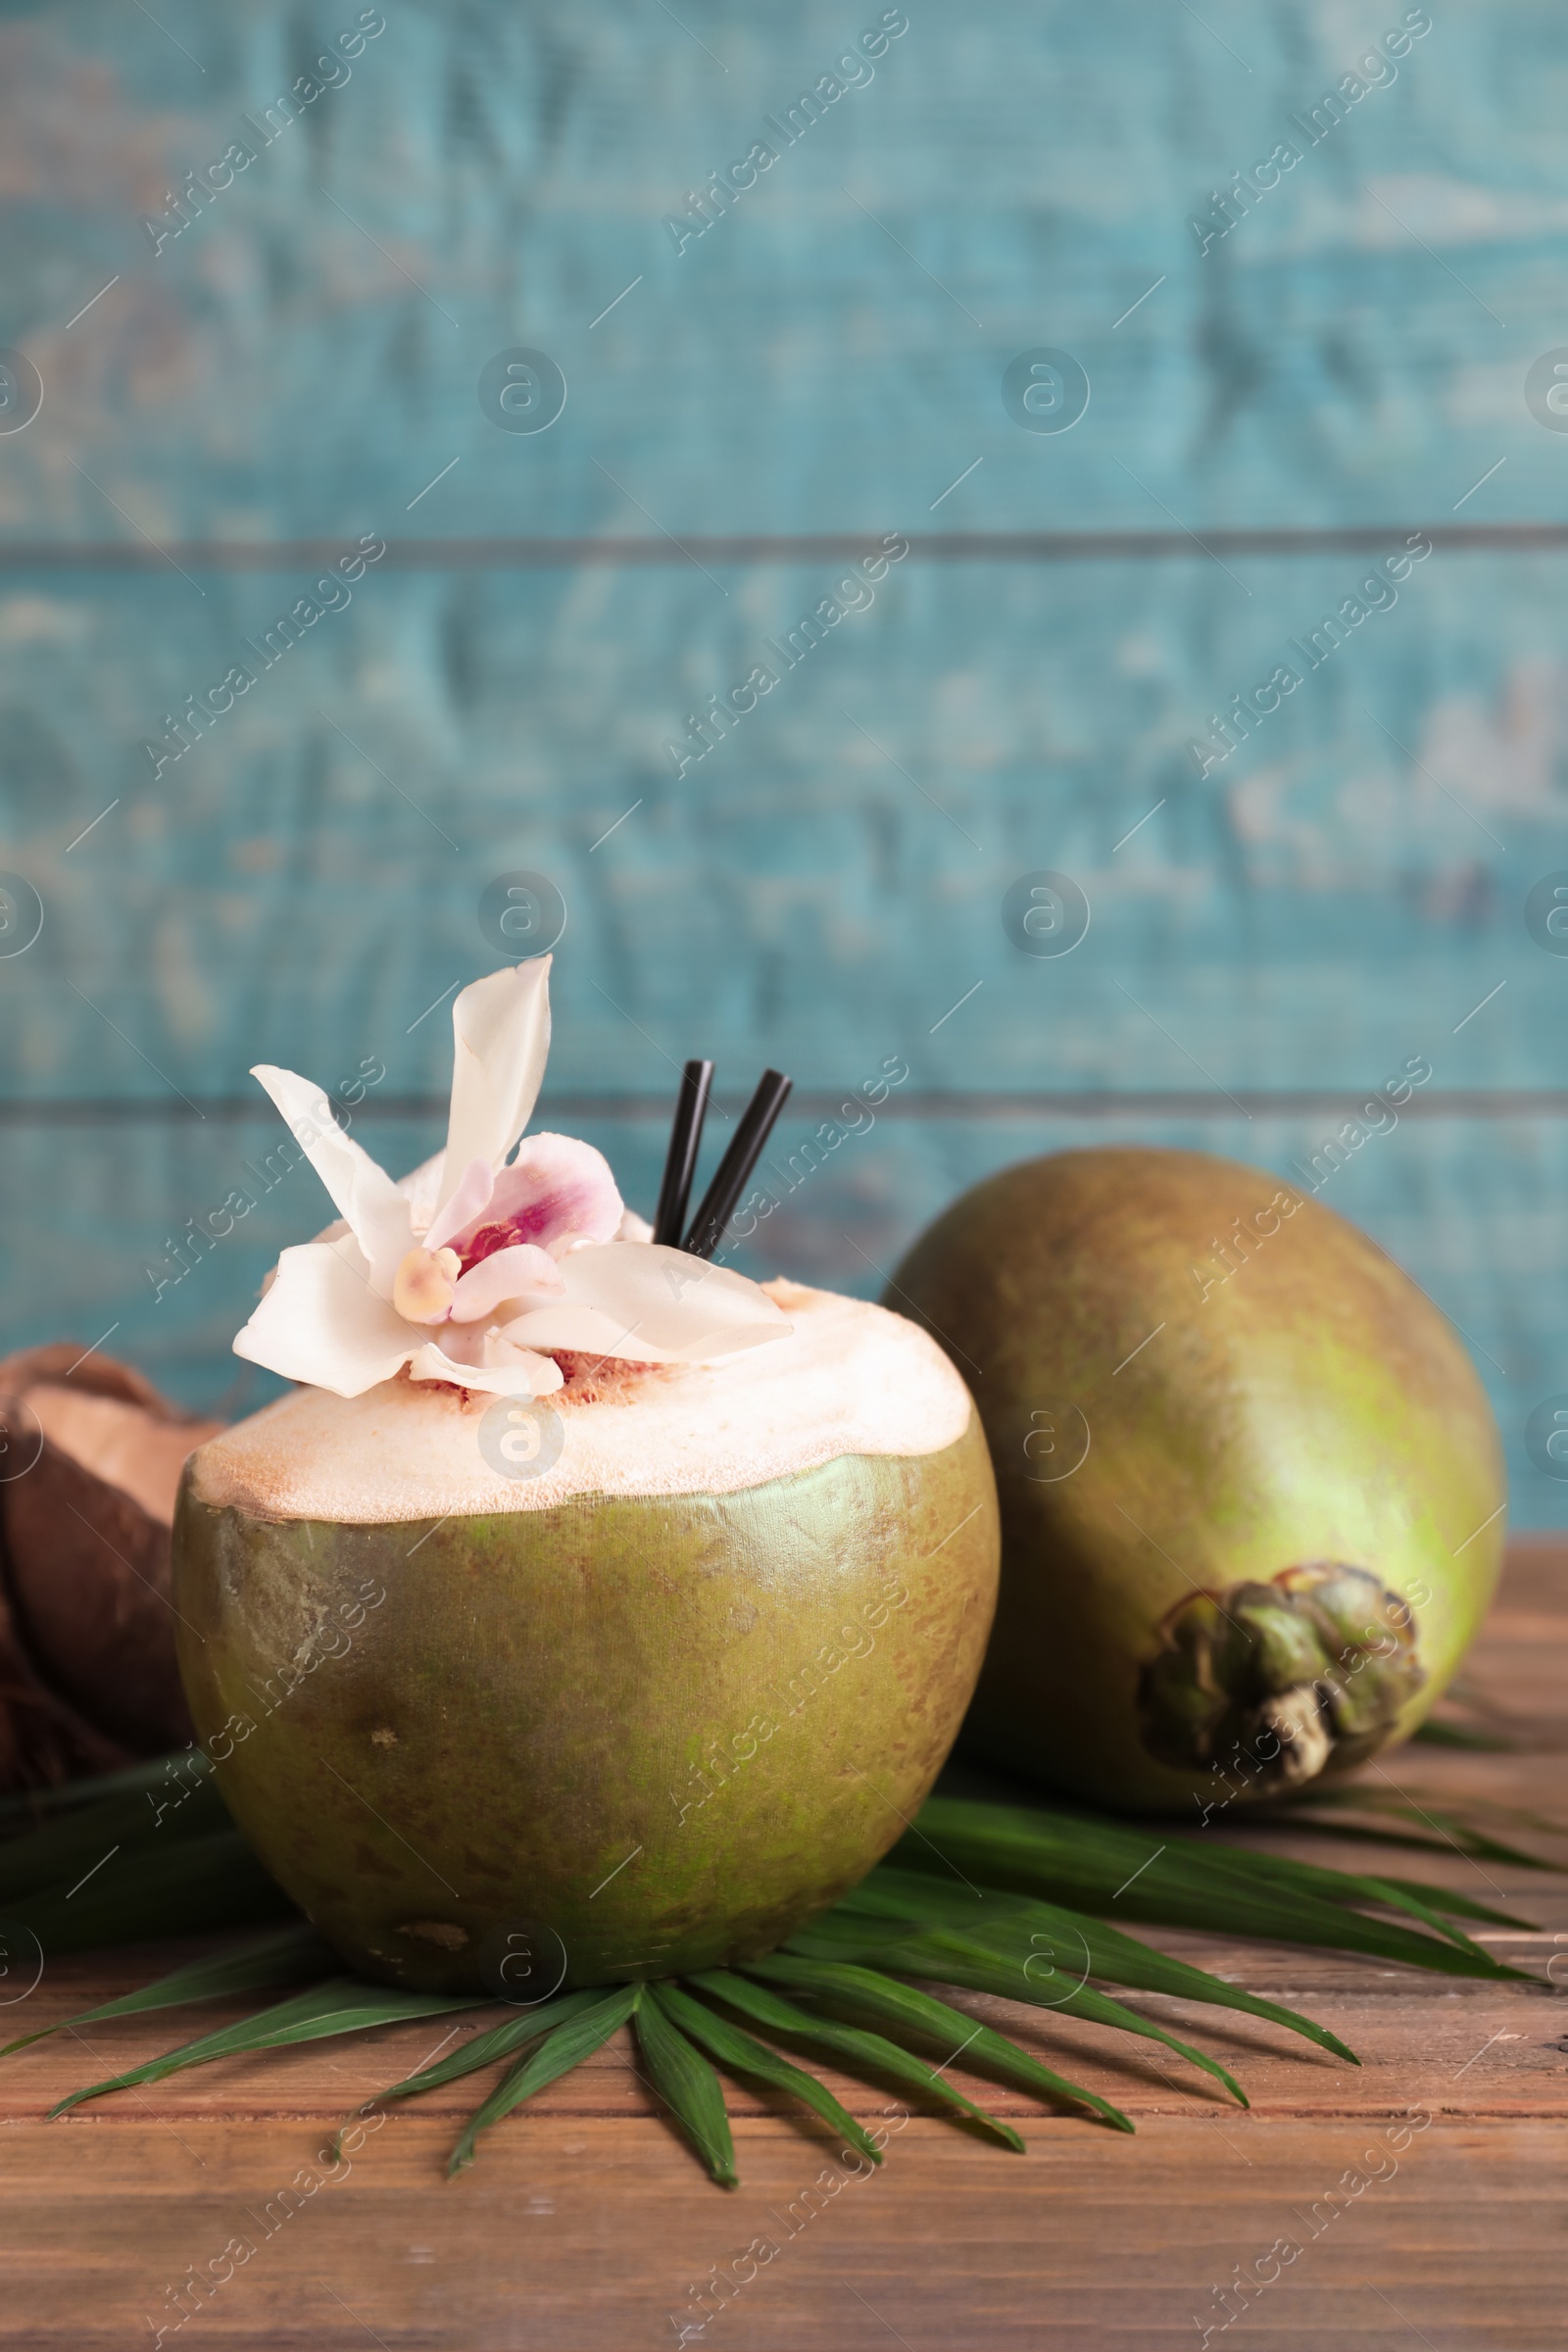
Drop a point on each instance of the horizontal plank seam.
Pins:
(1462, 1102)
(805, 546)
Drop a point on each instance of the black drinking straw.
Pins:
(680, 1164)
(734, 1170)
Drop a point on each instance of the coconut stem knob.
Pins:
(424, 1284)
(1275, 1678)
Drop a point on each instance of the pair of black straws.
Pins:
(734, 1170)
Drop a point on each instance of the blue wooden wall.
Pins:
(1272, 410)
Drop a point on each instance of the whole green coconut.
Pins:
(641, 1712)
(1251, 1490)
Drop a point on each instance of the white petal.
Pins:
(632, 1228)
(421, 1188)
(321, 1322)
(515, 1372)
(523, 1272)
(656, 1305)
(501, 1038)
(377, 1213)
(471, 1196)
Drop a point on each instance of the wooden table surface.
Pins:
(584, 2223)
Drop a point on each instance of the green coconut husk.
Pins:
(1252, 1491)
(988, 1898)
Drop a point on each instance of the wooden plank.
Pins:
(1039, 170)
(591, 2235)
(1419, 2191)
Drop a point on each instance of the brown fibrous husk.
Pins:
(92, 1462)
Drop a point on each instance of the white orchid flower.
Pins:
(477, 1261)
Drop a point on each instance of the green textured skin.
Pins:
(1312, 1406)
(568, 1688)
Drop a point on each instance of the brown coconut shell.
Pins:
(91, 1463)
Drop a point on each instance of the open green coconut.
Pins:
(611, 1629)
(1251, 1489)
(641, 1713)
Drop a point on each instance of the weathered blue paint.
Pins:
(824, 887)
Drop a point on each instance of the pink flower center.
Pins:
(529, 1226)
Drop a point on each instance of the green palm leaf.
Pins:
(189, 1887)
(565, 2047)
(1016, 1928)
(292, 1952)
(1075, 1859)
(1458, 1906)
(342, 2005)
(153, 1780)
(1241, 1867)
(948, 1959)
(865, 1992)
(1455, 1833)
(501, 2041)
(853, 2048)
(740, 2054)
(687, 2085)
(58, 1852)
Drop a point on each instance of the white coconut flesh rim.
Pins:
(848, 1379)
